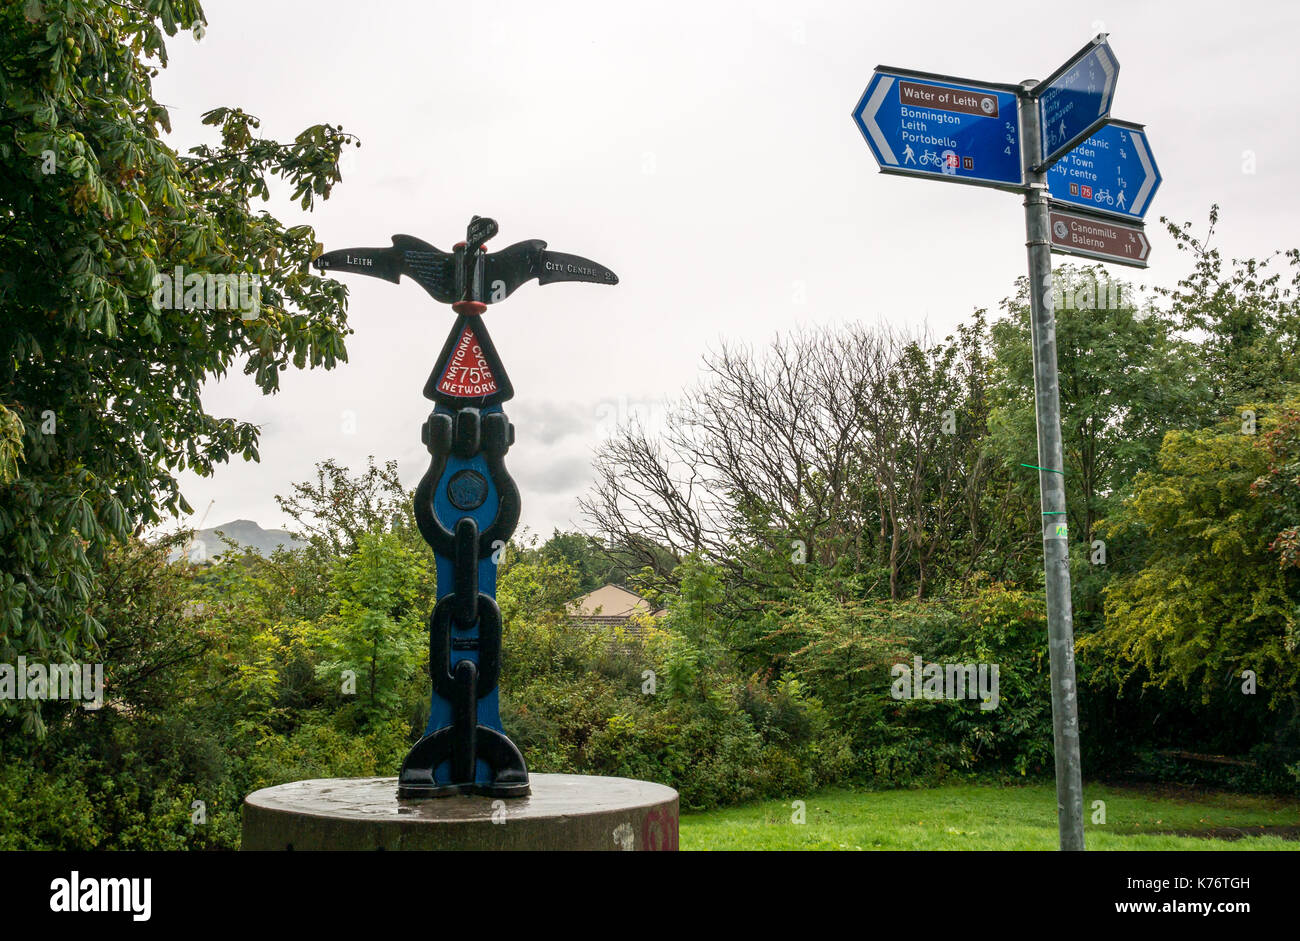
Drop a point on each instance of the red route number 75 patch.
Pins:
(467, 374)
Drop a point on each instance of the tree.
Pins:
(378, 629)
(1211, 600)
(533, 584)
(926, 421)
(100, 375)
(1125, 379)
(1247, 320)
(1280, 485)
(760, 451)
(338, 509)
(858, 451)
(593, 563)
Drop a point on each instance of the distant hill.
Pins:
(208, 544)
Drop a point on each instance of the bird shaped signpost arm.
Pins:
(466, 505)
(467, 273)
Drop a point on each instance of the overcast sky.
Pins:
(705, 152)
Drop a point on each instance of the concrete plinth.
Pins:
(564, 812)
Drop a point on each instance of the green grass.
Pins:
(984, 817)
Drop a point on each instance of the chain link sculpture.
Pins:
(466, 505)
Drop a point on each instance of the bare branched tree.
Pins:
(862, 443)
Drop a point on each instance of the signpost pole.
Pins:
(937, 127)
(1051, 482)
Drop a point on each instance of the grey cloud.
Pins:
(548, 423)
(565, 475)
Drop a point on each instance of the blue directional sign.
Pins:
(1111, 172)
(1076, 98)
(942, 128)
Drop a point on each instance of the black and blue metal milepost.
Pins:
(466, 505)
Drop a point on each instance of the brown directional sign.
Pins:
(1123, 243)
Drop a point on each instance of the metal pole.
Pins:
(1056, 555)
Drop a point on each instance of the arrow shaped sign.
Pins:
(1123, 243)
(478, 232)
(1076, 98)
(942, 128)
(1111, 172)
